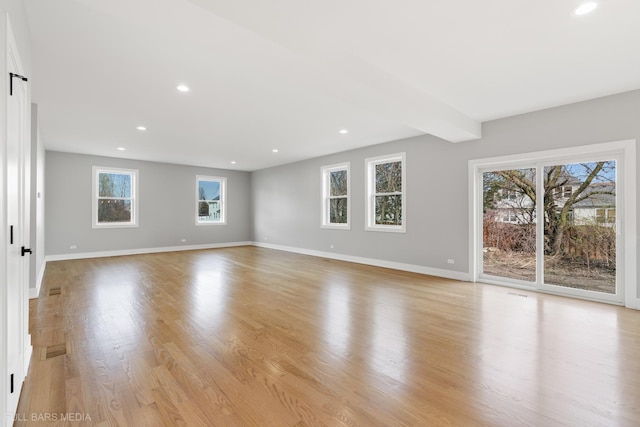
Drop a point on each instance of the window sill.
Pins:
(111, 226)
(387, 229)
(336, 227)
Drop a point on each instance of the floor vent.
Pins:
(55, 291)
(518, 295)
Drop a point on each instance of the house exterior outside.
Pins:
(599, 208)
(209, 210)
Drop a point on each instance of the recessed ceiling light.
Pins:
(141, 128)
(343, 131)
(585, 8)
(121, 148)
(183, 88)
(233, 162)
(275, 150)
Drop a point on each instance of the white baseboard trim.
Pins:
(35, 292)
(103, 254)
(447, 274)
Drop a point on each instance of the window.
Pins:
(605, 215)
(336, 209)
(511, 216)
(567, 191)
(210, 200)
(509, 194)
(386, 190)
(115, 197)
(563, 191)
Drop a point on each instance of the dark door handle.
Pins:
(25, 251)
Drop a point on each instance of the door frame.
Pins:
(625, 154)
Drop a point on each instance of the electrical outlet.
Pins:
(183, 240)
(331, 246)
(451, 261)
(73, 247)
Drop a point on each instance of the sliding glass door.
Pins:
(552, 225)
(580, 242)
(509, 224)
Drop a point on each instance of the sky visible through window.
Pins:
(209, 190)
(582, 170)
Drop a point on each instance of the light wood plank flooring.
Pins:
(256, 337)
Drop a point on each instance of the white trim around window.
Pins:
(336, 198)
(117, 206)
(386, 194)
(211, 200)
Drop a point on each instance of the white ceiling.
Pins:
(289, 74)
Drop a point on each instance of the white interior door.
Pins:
(16, 320)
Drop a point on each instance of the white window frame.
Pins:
(223, 199)
(327, 197)
(370, 221)
(134, 197)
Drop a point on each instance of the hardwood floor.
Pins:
(258, 337)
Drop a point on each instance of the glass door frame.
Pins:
(624, 153)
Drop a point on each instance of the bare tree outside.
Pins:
(509, 230)
(114, 197)
(338, 197)
(203, 206)
(579, 224)
(580, 243)
(388, 193)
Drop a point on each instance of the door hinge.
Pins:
(11, 76)
(11, 234)
(11, 384)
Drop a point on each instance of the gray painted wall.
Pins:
(287, 198)
(166, 206)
